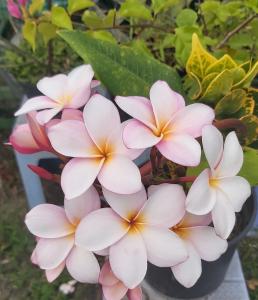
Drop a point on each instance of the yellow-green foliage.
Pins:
(224, 85)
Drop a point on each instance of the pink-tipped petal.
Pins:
(191, 220)
(48, 221)
(46, 115)
(201, 197)
(54, 273)
(120, 175)
(78, 175)
(191, 119)
(92, 231)
(126, 205)
(164, 102)
(181, 149)
(70, 138)
(223, 215)
(206, 242)
(138, 136)
(237, 190)
(83, 265)
(72, 114)
(135, 294)
(22, 140)
(212, 141)
(79, 207)
(189, 271)
(128, 259)
(232, 158)
(53, 87)
(33, 257)
(139, 108)
(41, 172)
(114, 292)
(106, 276)
(36, 103)
(164, 247)
(171, 211)
(52, 252)
(13, 9)
(101, 118)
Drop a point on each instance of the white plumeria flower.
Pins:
(218, 190)
(136, 230)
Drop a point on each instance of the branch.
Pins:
(236, 124)
(235, 30)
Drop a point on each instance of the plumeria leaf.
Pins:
(47, 30)
(135, 9)
(60, 18)
(123, 64)
(76, 5)
(36, 6)
(29, 31)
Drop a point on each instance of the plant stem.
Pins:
(231, 123)
(153, 159)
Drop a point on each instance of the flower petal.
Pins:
(72, 114)
(120, 175)
(138, 136)
(70, 138)
(106, 276)
(114, 292)
(53, 87)
(135, 294)
(92, 231)
(48, 221)
(36, 103)
(191, 119)
(164, 247)
(206, 242)
(164, 102)
(212, 141)
(83, 265)
(181, 149)
(54, 273)
(139, 108)
(79, 174)
(191, 220)
(201, 197)
(46, 115)
(52, 252)
(128, 259)
(101, 118)
(223, 215)
(77, 208)
(232, 158)
(189, 271)
(127, 205)
(172, 198)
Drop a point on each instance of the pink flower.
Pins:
(98, 150)
(218, 190)
(55, 228)
(136, 230)
(61, 91)
(113, 288)
(201, 242)
(13, 9)
(166, 122)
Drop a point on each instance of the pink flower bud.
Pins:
(13, 9)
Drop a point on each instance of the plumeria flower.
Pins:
(136, 230)
(218, 190)
(97, 149)
(60, 91)
(55, 228)
(113, 288)
(201, 242)
(166, 122)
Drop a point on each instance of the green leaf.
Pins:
(247, 80)
(224, 63)
(29, 31)
(250, 166)
(122, 70)
(187, 17)
(199, 59)
(246, 109)
(135, 9)
(251, 123)
(36, 6)
(162, 5)
(47, 30)
(60, 18)
(76, 5)
(238, 74)
(102, 35)
(93, 21)
(193, 86)
(207, 80)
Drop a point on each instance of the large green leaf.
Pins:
(124, 71)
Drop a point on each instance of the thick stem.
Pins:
(236, 124)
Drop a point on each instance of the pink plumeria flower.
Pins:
(166, 122)
(201, 242)
(61, 91)
(31, 137)
(113, 288)
(97, 149)
(55, 228)
(136, 230)
(218, 190)
(13, 9)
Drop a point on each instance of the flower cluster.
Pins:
(112, 207)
